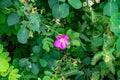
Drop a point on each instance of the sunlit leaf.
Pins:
(4, 65)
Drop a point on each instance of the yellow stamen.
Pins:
(107, 58)
(62, 40)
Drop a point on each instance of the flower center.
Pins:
(62, 40)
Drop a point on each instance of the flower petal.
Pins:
(65, 37)
(57, 44)
(58, 37)
(62, 46)
(67, 42)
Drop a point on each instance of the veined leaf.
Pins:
(110, 8)
(13, 19)
(23, 35)
(64, 10)
(52, 3)
(14, 75)
(60, 11)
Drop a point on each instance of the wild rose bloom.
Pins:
(62, 42)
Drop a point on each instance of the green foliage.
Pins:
(43, 62)
(5, 68)
(114, 26)
(74, 37)
(36, 49)
(4, 65)
(12, 21)
(14, 75)
(110, 8)
(95, 75)
(60, 11)
(4, 4)
(23, 35)
(47, 44)
(28, 30)
(118, 44)
(75, 3)
(97, 42)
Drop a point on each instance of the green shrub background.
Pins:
(28, 29)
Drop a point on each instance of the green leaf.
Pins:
(64, 10)
(111, 67)
(72, 34)
(115, 24)
(47, 44)
(86, 61)
(35, 20)
(62, 0)
(34, 59)
(55, 11)
(55, 54)
(98, 41)
(50, 44)
(72, 72)
(13, 19)
(14, 75)
(46, 47)
(118, 44)
(118, 3)
(36, 49)
(75, 3)
(1, 48)
(22, 62)
(88, 72)
(52, 62)
(46, 78)
(23, 35)
(15, 62)
(3, 18)
(118, 73)
(43, 62)
(52, 3)
(102, 65)
(96, 58)
(5, 3)
(48, 73)
(47, 39)
(110, 8)
(75, 34)
(35, 68)
(75, 42)
(115, 20)
(4, 65)
(115, 30)
(95, 75)
(5, 56)
(60, 11)
(69, 32)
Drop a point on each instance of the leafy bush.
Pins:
(59, 40)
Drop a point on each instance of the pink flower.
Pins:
(62, 42)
